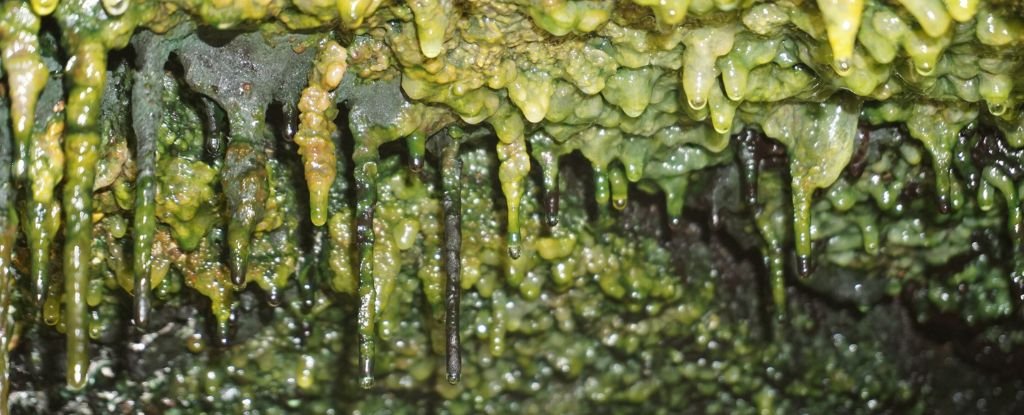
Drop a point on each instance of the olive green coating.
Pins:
(680, 206)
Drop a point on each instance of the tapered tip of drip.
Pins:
(697, 103)
(675, 224)
(309, 300)
(453, 378)
(944, 204)
(552, 220)
(514, 248)
(366, 382)
(803, 265)
(238, 266)
(924, 69)
(222, 340)
(141, 319)
(274, 297)
(996, 109)
(551, 208)
(416, 164)
(222, 335)
(78, 376)
(842, 66)
(40, 298)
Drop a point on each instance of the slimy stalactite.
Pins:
(87, 71)
(246, 189)
(431, 18)
(366, 201)
(930, 14)
(198, 186)
(45, 170)
(547, 153)
(699, 73)
(515, 165)
(937, 126)
(451, 201)
(147, 111)
(316, 124)
(819, 140)
(353, 12)
(842, 20)
(89, 39)
(26, 73)
(8, 235)
(998, 179)
(749, 163)
(26, 78)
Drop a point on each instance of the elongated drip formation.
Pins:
(8, 233)
(366, 200)
(451, 201)
(239, 127)
(147, 93)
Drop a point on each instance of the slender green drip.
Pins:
(366, 201)
(147, 110)
(81, 146)
(416, 144)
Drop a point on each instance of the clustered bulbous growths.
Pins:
(214, 144)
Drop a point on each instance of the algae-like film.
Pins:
(511, 206)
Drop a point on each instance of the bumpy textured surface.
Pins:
(371, 206)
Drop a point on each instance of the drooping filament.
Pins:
(451, 182)
(147, 110)
(45, 170)
(366, 201)
(771, 220)
(26, 77)
(87, 72)
(819, 140)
